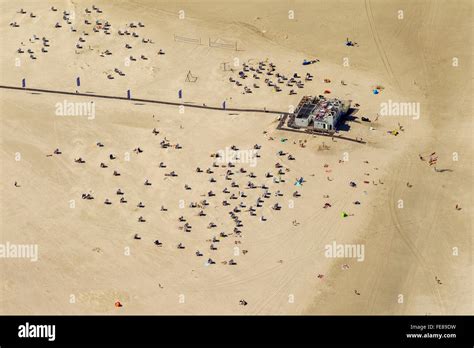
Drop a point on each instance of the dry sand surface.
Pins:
(417, 245)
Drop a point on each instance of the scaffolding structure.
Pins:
(190, 77)
(219, 44)
(190, 40)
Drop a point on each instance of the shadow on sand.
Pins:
(343, 125)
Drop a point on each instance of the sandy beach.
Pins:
(109, 193)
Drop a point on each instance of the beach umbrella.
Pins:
(344, 214)
(376, 91)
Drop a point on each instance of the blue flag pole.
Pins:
(23, 83)
(223, 105)
(180, 94)
(78, 82)
(129, 95)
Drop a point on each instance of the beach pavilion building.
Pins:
(319, 113)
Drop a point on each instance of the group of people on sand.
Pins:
(92, 18)
(273, 79)
(245, 196)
